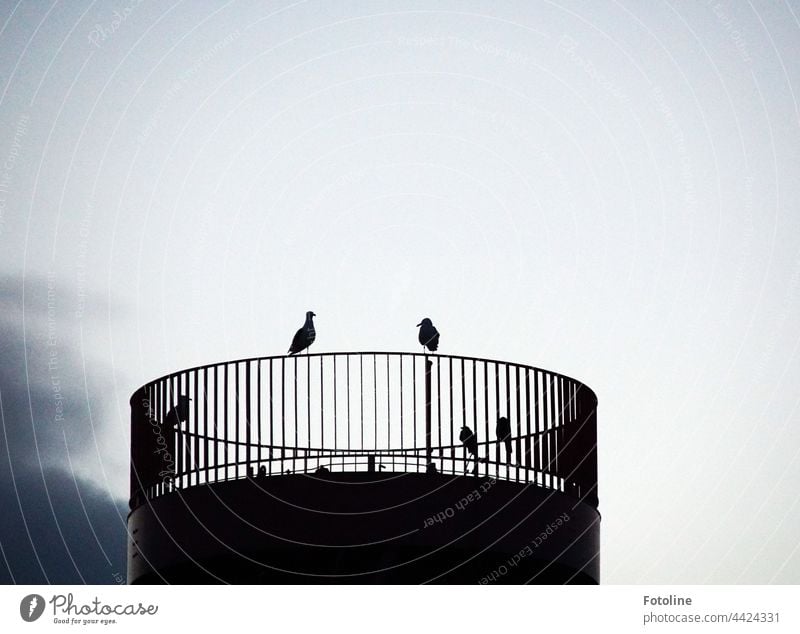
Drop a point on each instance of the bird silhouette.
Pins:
(304, 337)
(179, 413)
(428, 335)
(503, 431)
(470, 442)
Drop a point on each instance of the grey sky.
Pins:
(605, 190)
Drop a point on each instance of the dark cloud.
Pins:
(61, 521)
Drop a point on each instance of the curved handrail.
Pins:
(431, 355)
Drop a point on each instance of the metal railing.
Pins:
(363, 411)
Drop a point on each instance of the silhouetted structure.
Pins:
(503, 431)
(305, 336)
(223, 459)
(428, 335)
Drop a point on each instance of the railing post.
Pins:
(428, 452)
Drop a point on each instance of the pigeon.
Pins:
(179, 413)
(428, 335)
(503, 431)
(304, 337)
(470, 441)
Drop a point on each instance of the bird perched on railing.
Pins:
(304, 337)
(503, 430)
(179, 413)
(470, 442)
(428, 335)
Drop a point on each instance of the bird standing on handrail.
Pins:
(304, 337)
(428, 335)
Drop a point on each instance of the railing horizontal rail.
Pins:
(433, 355)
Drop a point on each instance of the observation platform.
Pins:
(356, 467)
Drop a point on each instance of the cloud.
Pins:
(63, 518)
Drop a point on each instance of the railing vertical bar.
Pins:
(550, 431)
(153, 415)
(537, 462)
(348, 405)
(566, 430)
(175, 392)
(452, 436)
(361, 392)
(528, 439)
(517, 423)
(259, 430)
(551, 437)
(187, 439)
(139, 492)
(283, 414)
(414, 394)
(308, 409)
(485, 414)
(237, 436)
(195, 475)
(296, 422)
(158, 414)
(508, 415)
(166, 389)
(206, 434)
(428, 449)
(546, 418)
(270, 454)
(496, 417)
(388, 406)
(439, 403)
(216, 429)
(335, 424)
(474, 408)
(322, 406)
(375, 398)
(463, 405)
(545, 425)
(248, 413)
(402, 418)
(559, 427)
(225, 394)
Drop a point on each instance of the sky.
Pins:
(606, 190)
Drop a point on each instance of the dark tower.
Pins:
(355, 468)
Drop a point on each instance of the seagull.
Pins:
(428, 335)
(304, 337)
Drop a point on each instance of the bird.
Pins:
(304, 337)
(503, 431)
(179, 413)
(428, 335)
(470, 441)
